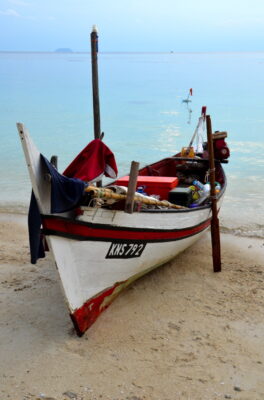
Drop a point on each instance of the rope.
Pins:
(104, 193)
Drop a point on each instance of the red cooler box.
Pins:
(153, 185)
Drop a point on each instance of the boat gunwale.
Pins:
(98, 225)
(74, 236)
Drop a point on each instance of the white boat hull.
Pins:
(100, 252)
(96, 261)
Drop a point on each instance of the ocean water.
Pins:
(142, 115)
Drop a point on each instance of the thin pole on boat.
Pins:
(96, 105)
(54, 161)
(132, 185)
(215, 231)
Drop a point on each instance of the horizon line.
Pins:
(131, 52)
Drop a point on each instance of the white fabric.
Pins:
(198, 148)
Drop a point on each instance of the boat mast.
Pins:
(96, 105)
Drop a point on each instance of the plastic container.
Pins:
(217, 187)
(198, 184)
(204, 191)
(193, 205)
(195, 193)
(183, 196)
(188, 152)
(153, 185)
(207, 187)
(141, 190)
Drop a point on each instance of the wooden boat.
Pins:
(99, 249)
(104, 238)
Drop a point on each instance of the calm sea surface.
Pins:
(142, 115)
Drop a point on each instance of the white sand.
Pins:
(181, 332)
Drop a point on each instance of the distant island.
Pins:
(63, 50)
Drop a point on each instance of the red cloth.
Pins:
(94, 161)
(221, 151)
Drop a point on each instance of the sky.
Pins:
(133, 25)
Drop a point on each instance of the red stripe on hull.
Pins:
(86, 315)
(86, 232)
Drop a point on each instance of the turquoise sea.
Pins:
(142, 115)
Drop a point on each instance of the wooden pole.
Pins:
(215, 232)
(54, 161)
(132, 185)
(96, 105)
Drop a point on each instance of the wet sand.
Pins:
(181, 332)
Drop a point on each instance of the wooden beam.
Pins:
(132, 185)
(215, 231)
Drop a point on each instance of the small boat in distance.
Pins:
(188, 100)
(103, 238)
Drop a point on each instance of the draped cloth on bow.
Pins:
(94, 161)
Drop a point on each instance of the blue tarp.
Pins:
(66, 194)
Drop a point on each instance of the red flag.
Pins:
(191, 91)
(203, 111)
(94, 161)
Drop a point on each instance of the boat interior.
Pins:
(168, 180)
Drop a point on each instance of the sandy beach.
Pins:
(181, 332)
